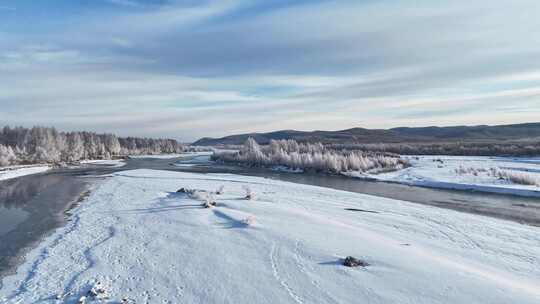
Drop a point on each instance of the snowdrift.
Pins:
(144, 242)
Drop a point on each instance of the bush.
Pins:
(249, 221)
(249, 193)
(220, 190)
(313, 157)
(519, 178)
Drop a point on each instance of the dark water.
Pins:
(32, 206)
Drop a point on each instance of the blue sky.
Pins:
(187, 69)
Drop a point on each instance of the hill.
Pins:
(481, 133)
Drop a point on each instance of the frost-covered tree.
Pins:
(7, 156)
(47, 145)
(75, 145)
(314, 157)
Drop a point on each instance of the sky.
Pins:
(188, 69)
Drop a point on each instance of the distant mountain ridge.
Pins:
(482, 133)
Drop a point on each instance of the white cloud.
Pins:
(212, 69)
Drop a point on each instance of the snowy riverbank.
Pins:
(192, 159)
(145, 242)
(22, 170)
(18, 171)
(158, 156)
(105, 162)
(466, 173)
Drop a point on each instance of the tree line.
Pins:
(528, 147)
(19, 145)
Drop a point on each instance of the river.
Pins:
(31, 207)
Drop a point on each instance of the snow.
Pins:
(105, 162)
(193, 159)
(440, 172)
(143, 241)
(18, 171)
(157, 156)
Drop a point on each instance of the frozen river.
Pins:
(32, 206)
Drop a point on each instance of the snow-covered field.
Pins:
(444, 172)
(146, 243)
(18, 171)
(22, 170)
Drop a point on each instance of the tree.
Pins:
(42, 144)
(7, 156)
(75, 147)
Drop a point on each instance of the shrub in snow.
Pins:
(220, 190)
(182, 190)
(209, 204)
(495, 173)
(205, 196)
(469, 170)
(249, 193)
(209, 200)
(519, 178)
(193, 193)
(250, 220)
(98, 292)
(461, 170)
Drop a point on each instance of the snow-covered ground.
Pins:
(443, 172)
(157, 156)
(106, 162)
(145, 242)
(173, 155)
(18, 171)
(191, 159)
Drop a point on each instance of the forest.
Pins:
(19, 145)
(529, 147)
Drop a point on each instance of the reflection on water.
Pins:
(10, 218)
(17, 192)
(30, 206)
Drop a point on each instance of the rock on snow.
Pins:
(149, 244)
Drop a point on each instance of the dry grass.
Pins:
(520, 178)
